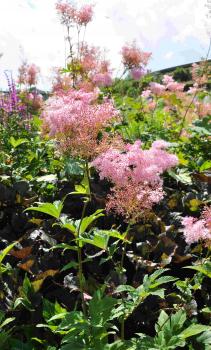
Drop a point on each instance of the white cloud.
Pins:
(168, 55)
(34, 26)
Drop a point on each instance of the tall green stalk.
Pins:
(80, 266)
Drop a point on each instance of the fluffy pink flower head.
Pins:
(104, 66)
(22, 73)
(132, 56)
(28, 74)
(200, 72)
(135, 174)
(206, 214)
(175, 86)
(102, 79)
(192, 90)
(146, 93)
(167, 79)
(204, 109)
(32, 74)
(67, 12)
(84, 15)
(75, 119)
(157, 88)
(198, 229)
(137, 73)
(152, 105)
(89, 58)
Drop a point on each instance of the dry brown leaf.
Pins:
(21, 253)
(27, 265)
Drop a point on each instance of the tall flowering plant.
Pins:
(86, 66)
(10, 102)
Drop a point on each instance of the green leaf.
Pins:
(53, 209)
(65, 246)
(5, 251)
(100, 308)
(71, 265)
(204, 268)
(88, 220)
(84, 187)
(182, 176)
(162, 280)
(206, 165)
(7, 321)
(194, 329)
(52, 310)
(205, 338)
(124, 288)
(47, 178)
(15, 143)
(96, 238)
(69, 224)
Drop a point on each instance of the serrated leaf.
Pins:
(194, 329)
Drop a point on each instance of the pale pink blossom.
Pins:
(200, 72)
(102, 79)
(136, 176)
(206, 214)
(137, 73)
(167, 79)
(22, 74)
(84, 15)
(32, 74)
(175, 86)
(75, 119)
(146, 93)
(67, 12)
(192, 90)
(28, 74)
(157, 88)
(198, 229)
(132, 56)
(152, 105)
(204, 109)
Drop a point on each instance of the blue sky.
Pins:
(175, 31)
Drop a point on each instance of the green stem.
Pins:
(124, 250)
(123, 328)
(122, 322)
(80, 266)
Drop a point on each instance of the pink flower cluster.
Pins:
(75, 119)
(28, 74)
(35, 100)
(198, 230)
(132, 56)
(102, 79)
(70, 15)
(94, 69)
(146, 93)
(200, 73)
(157, 88)
(135, 174)
(84, 15)
(168, 84)
(171, 84)
(203, 109)
(137, 73)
